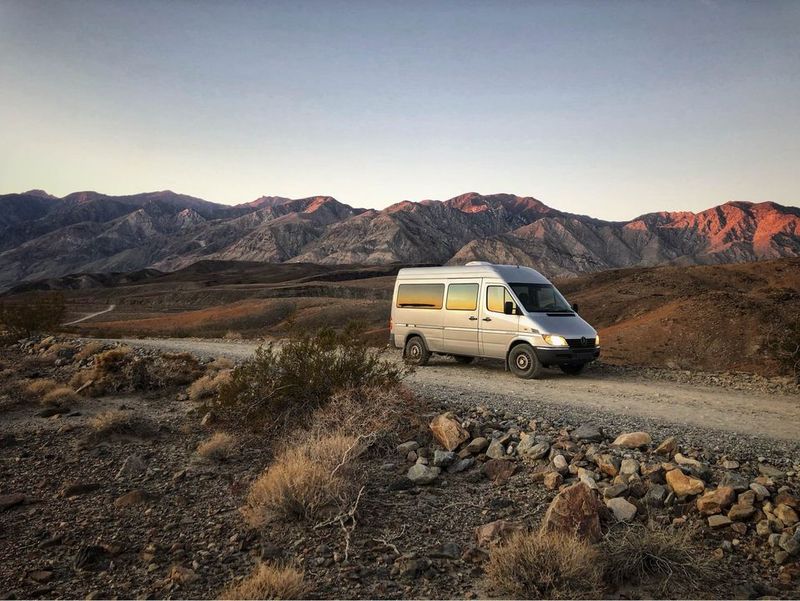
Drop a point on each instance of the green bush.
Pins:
(35, 315)
(281, 383)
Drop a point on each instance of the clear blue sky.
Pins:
(606, 108)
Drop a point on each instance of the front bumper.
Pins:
(565, 355)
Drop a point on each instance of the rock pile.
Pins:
(608, 477)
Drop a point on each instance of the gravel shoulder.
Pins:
(727, 405)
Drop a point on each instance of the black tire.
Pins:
(572, 370)
(523, 363)
(416, 353)
(463, 359)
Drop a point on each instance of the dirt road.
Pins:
(90, 316)
(755, 414)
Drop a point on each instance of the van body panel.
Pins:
(469, 319)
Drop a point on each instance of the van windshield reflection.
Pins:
(541, 298)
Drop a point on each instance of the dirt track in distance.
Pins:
(756, 414)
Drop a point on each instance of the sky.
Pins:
(611, 109)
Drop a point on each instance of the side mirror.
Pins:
(575, 307)
(508, 308)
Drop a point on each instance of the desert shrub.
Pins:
(219, 447)
(60, 395)
(60, 349)
(308, 480)
(636, 554)
(89, 350)
(208, 385)
(286, 383)
(539, 565)
(220, 364)
(233, 335)
(174, 369)
(35, 389)
(123, 424)
(37, 313)
(268, 581)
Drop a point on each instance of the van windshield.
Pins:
(541, 298)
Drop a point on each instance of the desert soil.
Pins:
(732, 403)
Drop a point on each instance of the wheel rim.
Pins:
(414, 351)
(522, 361)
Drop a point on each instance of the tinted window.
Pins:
(462, 297)
(496, 298)
(540, 297)
(420, 296)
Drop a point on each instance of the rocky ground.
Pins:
(139, 513)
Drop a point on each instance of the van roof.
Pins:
(475, 269)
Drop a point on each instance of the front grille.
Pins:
(580, 342)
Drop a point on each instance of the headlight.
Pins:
(554, 340)
(597, 340)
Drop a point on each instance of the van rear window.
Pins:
(420, 296)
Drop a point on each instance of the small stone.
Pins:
(741, 512)
(209, 419)
(760, 490)
(461, 465)
(623, 510)
(615, 490)
(498, 470)
(443, 458)
(552, 480)
(537, 450)
(629, 467)
(655, 495)
(575, 510)
(730, 465)
(771, 472)
(422, 474)
(477, 445)
(11, 500)
(763, 528)
(496, 450)
(560, 463)
(718, 521)
(739, 528)
(785, 498)
(668, 447)
(736, 481)
(714, 501)
(632, 440)
(607, 464)
(407, 447)
(182, 575)
(688, 461)
(747, 498)
(786, 514)
(683, 485)
(41, 576)
(448, 432)
(134, 497)
(587, 432)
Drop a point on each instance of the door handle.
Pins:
(487, 319)
(473, 318)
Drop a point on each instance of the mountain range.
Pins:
(42, 236)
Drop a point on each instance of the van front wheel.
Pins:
(415, 352)
(523, 363)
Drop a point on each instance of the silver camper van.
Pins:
(483, 310)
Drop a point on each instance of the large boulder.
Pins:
(448, 432)
(575, 510)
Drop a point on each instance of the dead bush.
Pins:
(60, 395)
(279, 387)
(123, 424)
(310, 480)
(636, 554)
(545, 566)
(37, 313)
(269, 581)
(175, 369)
(208, 385)
(36, 389)
(89, 350)
(220, 364)
(60, 350)
(219, 447)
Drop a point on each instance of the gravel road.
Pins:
(600, 394)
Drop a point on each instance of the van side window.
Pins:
(462, 297)
(420, 296)
(496, 297)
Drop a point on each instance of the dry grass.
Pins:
(219, 447)
(545, 566)
(637, 554)
(60, 395)
(308, 480)
(220, 364)
(269, 582)
(89, 350)
(59, 348)
(37, 388)
(111, 424)
(208, 385)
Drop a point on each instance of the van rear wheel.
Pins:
(416, 352)
(572, 370)
(523, 363)
(465, 359)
